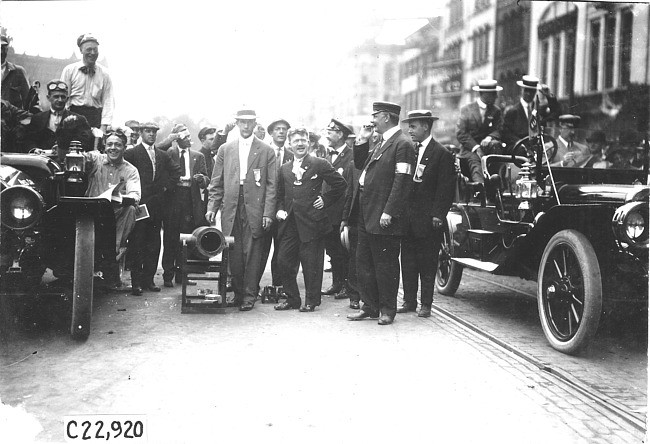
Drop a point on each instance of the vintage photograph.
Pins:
(326, 222)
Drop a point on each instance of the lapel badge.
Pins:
(258, 176)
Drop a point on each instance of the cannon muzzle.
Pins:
(205, 242)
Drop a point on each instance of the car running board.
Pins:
(475, 263)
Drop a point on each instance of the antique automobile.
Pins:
(47, 223)
(580, 231)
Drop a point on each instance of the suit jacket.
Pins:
(343, 164)
(39, 135)
(153, 188)
(581, 153)
(197, 166)
(297, 197)
(434, 195)
(385, 191)
(259, 200)
(471, 128)
(515, 121)
(15, 87)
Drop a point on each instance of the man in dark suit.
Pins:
(209, 148)
(341, 159)
(477, 128)
(431, 196)
(278, 131)
(15, 86)
(517, 116)
(303, 221)
(379, 205)
(352, 284)
(158, 173)
(184, 208)
(243, 187)
(40, 133)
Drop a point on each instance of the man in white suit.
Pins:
(243, 187)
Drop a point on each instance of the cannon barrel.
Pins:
(205, 242)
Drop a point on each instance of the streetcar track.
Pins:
(637, 420)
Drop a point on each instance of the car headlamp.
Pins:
(21, 207)
(630, 224)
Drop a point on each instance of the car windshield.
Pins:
(597, 149)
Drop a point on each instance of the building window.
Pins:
(610, 45)
(455, 12)
(481, 5)
(481, 46)
(556, 33)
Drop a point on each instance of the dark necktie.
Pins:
(183, 170)
(417, 148)
(90, 70)
(488, 112)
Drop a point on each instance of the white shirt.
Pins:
(244, 150)
(482, 107)
(186, 156)
(86, 90)
(384, 137)
(297, 163)
(152, 155)
(55, 120)
(280, 149)
(338, 152)
(423, 147)
(526, 106)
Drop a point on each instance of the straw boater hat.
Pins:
(487, 86)
(528, 82)
(245, 114)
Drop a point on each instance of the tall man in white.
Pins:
(243, 186)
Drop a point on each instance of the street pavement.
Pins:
(285, 377)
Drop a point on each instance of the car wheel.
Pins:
(569, 291)
(449, 272)
(82, 286)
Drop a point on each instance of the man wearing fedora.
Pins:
(184, 210)
(278, 131)
(570, 153)
(341, 159)
(516, 117)
(243, 187)
(432, 194)
(158, 173)
(477, 128)
(379, 209)
(41, 132)
(90, 85)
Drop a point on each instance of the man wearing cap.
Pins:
(379, 209)
(158, 173)
(90, 85)
(278, 131)
(597, 144)
(303, 224)
(516, 117)
(477, 128)
(431, 196)
(243, 187)
(570, 153)
(184, 208)
(15, 86)
(41, 131)
(134, 136)
(341, 159)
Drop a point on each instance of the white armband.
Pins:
(403, 168)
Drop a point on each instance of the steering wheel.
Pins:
(523, 147)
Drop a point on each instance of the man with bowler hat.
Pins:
(341, 159)
(379, 204)
(90, 85)
(158, 173)
(184, 208)
(432, 193)
(477, 128)
(303, 221)
(243, 187)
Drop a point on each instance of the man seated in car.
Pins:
(570, 153)
(597, 144)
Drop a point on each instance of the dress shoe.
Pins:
(343, 294)
(136, 291)
(405, 308)
(284, 306)
(168, 284)
(362, 314)
(424, 312)
(246, 306)
(153, 287)
(335, 288)
(354, 305)
(306, 308)
(385, 319)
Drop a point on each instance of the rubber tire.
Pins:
(592, 285)
(82, 285)
(448, 287)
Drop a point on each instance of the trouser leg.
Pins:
(312, 259)
(289, 261)
(410, 270)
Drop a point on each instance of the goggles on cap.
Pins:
(119, 132)
(333, 127)
(57, 86)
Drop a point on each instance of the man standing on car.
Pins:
(158, 173)
(243, 187)
(477, 128)
(184, 207)
(15, 86)
(303, 221)
(379, 205)
(431, 197)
